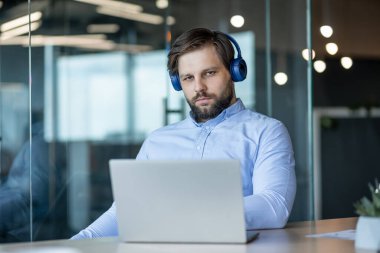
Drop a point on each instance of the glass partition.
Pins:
(15, 147)
(100, 86)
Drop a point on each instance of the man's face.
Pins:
(206, 83)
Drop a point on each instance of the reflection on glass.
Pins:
(25, 186)
(15, 153)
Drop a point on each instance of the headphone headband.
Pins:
(234, 42)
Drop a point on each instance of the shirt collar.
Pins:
(233, 109)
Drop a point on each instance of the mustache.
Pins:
(201, 95)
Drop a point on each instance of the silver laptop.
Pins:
(184, 201)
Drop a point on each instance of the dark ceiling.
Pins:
(356, 26)
(355, 22)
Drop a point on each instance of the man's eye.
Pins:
(187, 78)
(210, 73)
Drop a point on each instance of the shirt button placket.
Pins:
(200, 143)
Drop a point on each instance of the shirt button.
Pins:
(199, 147)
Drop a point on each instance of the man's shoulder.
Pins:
(183, 124)
(250, 116)
(261, 125)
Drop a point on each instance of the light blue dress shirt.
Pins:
(263, 146)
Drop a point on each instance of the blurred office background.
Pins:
(86, 81)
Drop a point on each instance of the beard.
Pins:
(204, 113)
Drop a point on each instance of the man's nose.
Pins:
(199, 85)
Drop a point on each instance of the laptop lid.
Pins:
(179, 201)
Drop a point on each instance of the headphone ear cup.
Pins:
(174, 78)
(238, 69)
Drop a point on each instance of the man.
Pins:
(220, 127)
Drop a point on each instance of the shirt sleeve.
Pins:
(273, 179)
(104, 226)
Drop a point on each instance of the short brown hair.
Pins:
(197, 38)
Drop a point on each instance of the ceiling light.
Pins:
(20, 30)
(346, 62)
(38, 40)
(331, 48)
(124, 10)
(326, 31)
(319, 66)
(87, 41)
(305, 54)
(170, 20)
(280, 78)
(162, 4)
(114, 4)
(35, 16)
(1, 4)
(74, 40)
(133, 48)
(237, 21)
(141, 17)
(103, 28)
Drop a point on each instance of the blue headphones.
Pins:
(238, 68)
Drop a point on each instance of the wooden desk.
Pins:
(291, 239)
